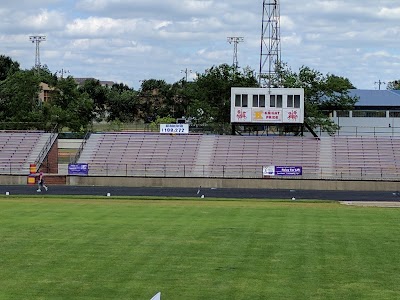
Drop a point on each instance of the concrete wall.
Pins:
(13, 179)
(236, 183)
(216, 183)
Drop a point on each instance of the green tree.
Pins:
(393, 85)
(19, 98)
(46, 76)
(98, 94)
(184, 99)
(322, 94)
(154, 126)
(70, 108)
(211, 98)
(154, 100)
(177, 100)
(122, 104)
(7, 67)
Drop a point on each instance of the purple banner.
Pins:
(78, 169)
(288, 171)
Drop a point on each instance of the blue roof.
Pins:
(376, 97)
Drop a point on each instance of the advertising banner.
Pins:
(282, 171)
(78, 169)
(288, 171)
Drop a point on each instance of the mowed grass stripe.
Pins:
(130, 249)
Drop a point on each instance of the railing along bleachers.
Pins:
(236, 156)
(366, 157)
(224, 156)
(136, 154)
(15, 149)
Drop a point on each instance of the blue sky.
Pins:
(131, 40)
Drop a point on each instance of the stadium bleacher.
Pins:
(368, 157)
(136, 154)
(18, 149)
(141, 154)
(215, 156)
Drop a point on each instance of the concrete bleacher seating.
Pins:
(194, 155)
(141, 154)
(18, 149)
(136, 154)
(366, 157)
(249, 154)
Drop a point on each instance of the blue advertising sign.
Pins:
(78, 169)
(288, 171)
(282, 171)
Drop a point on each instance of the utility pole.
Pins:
(270, 56)
(235, 40)
(186, 71)
(62, 72)
(37, 39)
(379, 83)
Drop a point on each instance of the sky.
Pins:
(128, 41)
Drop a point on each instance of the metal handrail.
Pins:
(222, 171)
(80, 149)
(46, 148)
(239, 171)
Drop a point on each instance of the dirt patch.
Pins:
(372, 203)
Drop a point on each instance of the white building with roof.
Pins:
(377, 113)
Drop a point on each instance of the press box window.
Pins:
(275, 101)
(272, 101)
(279, 101)
(293, 101)
(241, 100)
(296, 101)
(258, 100)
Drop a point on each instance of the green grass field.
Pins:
(98, 248)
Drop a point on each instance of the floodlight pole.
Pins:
(270, 56)
(186, 71)
(37, 39)
(62, 72)
(235, 40)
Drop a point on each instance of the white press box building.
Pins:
(267, 105)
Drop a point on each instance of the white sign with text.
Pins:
(174, 128)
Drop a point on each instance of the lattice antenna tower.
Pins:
(37, 39)
(270, 57)
(235, 40)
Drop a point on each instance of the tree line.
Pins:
(205, 100)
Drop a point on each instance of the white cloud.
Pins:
(390, 13)
(377, 55)
(44, 21)
(132, 40)
(95, 27)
